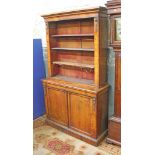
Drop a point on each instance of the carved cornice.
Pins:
(75, 12)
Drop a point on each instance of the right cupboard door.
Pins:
(82, 114)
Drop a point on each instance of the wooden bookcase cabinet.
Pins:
(76, 90)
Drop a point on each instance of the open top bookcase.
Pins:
(76, 51)
(76, 89)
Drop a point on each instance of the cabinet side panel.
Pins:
(103, 50)
(52, 43)
(102, 115)
(48, 48)
(96, 49)
(45, 98)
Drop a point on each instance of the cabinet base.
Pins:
(76, 134)
(114, 131)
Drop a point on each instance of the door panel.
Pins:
(57, 106)
(82, 114)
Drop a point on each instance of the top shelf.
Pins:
(73, 35)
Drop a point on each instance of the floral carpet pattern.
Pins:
(59, 147)
(50, 141)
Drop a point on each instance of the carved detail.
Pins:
(94, 103)
(47, 25)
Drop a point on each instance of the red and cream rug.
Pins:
(50, 141)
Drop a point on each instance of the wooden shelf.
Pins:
(73, 79)
(73, 49)
(73, 35)
(75, 64)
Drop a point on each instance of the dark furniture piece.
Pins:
(114, 14)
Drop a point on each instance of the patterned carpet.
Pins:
(50, 141)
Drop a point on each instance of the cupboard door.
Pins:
(82, 114)
(57, 106)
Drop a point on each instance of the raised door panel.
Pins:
(82, 114)
(57, 106)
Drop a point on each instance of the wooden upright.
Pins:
(76, 90)
(114, 14)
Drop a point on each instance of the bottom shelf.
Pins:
(73, 79)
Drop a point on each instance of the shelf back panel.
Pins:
(72, 56)
(85, 26)
(76, 72)
(70, 27)
(75, 43)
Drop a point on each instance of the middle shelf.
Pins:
(75, 64)
(73, 49)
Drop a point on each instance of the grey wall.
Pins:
(111, 77)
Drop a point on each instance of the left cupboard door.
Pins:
(56, 105)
